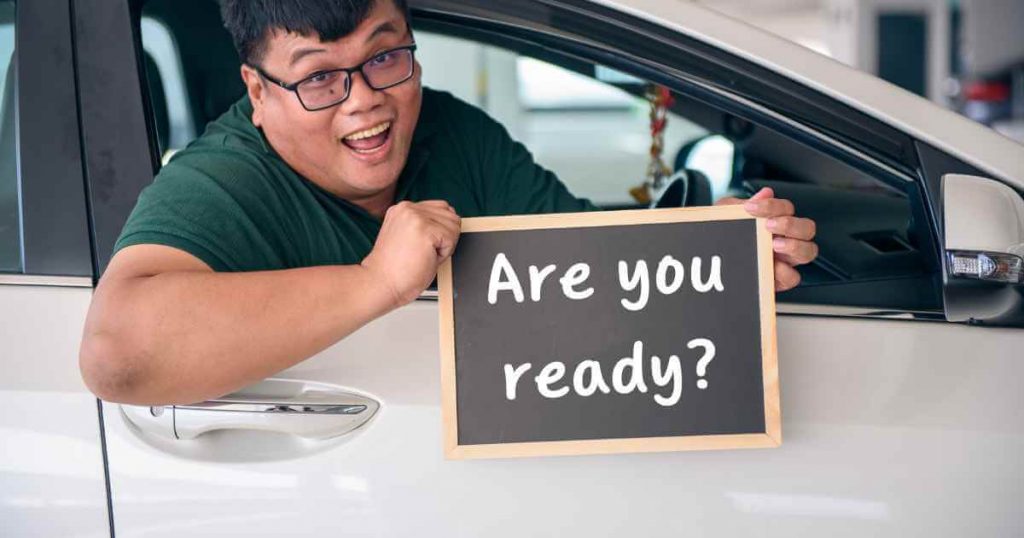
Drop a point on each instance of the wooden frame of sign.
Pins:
(771, 437)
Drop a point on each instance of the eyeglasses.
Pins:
(325, 89)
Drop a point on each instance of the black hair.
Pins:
(250, 21)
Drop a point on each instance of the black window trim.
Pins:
(523, 35)
(121, 150)
(54, 217)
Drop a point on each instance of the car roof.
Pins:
(942, 128)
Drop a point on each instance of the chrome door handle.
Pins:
(275, 407)
(304, 409)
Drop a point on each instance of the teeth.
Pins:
(372, 131)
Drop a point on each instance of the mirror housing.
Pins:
(983, 255)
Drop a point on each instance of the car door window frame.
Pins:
(55, 234)
(121, 150)
(687, 66)
(531, 30)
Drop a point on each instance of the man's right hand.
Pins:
(414, 240)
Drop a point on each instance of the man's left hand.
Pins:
(791, 236)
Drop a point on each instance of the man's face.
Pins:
(331, 147)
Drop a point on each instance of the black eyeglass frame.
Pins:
(294, 86)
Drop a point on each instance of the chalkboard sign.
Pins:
(626, 331)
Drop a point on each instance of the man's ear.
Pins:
(255, 88)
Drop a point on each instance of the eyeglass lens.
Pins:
(380, 72)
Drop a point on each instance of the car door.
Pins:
(896, 422)
(52, 479)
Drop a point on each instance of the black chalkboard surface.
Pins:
(627, 331)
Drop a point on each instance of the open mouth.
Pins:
(368, 140)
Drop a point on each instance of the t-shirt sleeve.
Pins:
(517, 184)
(187, 209)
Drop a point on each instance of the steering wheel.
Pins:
(686, 188)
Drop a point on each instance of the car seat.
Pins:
(158, 102)
(209, 61)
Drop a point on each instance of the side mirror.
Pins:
(983, 268)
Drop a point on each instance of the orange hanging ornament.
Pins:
(661, 100)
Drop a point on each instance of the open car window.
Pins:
(589, 123)
(593, 134)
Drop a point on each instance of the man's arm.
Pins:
(164, 328)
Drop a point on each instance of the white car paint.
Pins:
(51, 462)
(942, 128)
(891, 428)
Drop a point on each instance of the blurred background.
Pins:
(967, 55)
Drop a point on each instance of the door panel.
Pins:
(885, 424)
(51, 461)
(52, 480)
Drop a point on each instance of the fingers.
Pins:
(791, 236)
(794, 251)
(435, 221)
(765, 192)
(446, 215)
(759, 195)
(447, 226)
(440, 212)
(444, 234)
(439, 205)
(448, 230)
(793, 227)
(436, 207)
(446, 246)
(729, 200)
(769, 207)
(427, 204)
(786, 278)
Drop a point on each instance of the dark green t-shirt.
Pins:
(231, 201)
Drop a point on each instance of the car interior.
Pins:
(871, 254)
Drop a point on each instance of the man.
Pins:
(322, 200)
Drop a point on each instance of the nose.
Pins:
(361, 97)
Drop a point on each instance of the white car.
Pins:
(900, 354)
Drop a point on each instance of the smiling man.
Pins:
(323, 199)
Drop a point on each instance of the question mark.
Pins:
(702, 364)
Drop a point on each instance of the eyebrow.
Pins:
(383, 28)
(302, 53)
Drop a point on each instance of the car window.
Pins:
(597, 141)
(10, 212)
(589, 123)
(593, 134)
